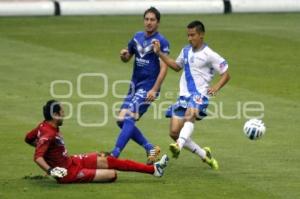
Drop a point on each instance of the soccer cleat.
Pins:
(208, 152)
(212, 162)
(152, 155)
(159, 167)
(174, 148)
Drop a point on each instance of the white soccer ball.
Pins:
(254, 129)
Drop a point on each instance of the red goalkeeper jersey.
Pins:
(49, 144)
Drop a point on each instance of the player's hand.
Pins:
(213, 91)
(151, 96)
(124, 54)
(156, 46)
(58, 172)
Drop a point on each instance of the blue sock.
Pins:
(124, 137)
(139, 138)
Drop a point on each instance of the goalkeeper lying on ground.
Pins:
(51, 154)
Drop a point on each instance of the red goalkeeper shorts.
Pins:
(82, 169)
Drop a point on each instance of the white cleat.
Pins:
(160, 166)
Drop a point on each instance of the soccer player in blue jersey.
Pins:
(148, 75)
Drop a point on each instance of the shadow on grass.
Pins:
(45, 180)
(40, 180)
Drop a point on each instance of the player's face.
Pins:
(60, 117)
(195, 38)
(150, 23)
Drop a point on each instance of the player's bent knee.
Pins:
(114, 177)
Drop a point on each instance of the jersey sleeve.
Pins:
(31, 137)
(130, 46)
(43, 143)
(164, 46)
(180, 59)
(218, 63)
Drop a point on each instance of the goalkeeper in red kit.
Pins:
(51, 154)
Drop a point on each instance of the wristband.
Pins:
(49, 170)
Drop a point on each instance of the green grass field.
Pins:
(263, 54)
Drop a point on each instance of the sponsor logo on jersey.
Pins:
(59, 141)
(141, 62)
(200, 59)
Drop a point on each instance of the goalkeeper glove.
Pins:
(57, 172)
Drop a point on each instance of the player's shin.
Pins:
(129, 165)
(124, 137)
(185, 133)
(140, 139)
(195, 148)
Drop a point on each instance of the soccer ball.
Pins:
(254, 129)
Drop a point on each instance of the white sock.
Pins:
(195, 148)
(185, 133)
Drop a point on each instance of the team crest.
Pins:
(192, 59)
(143, 49)
(145, 44)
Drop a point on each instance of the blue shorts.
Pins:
(136, 102)
(196, 101)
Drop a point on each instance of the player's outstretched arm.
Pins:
(165, 58)
(225, 77)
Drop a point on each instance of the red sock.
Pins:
(129, 165)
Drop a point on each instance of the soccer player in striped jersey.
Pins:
(148, 75)
(199, 64)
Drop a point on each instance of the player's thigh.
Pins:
(102, 162)
(176, 124)
(105, 175)
(191, 114)
(122, 114)
(126, 113)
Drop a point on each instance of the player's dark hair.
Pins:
(154, 11)
(198, 25)
(51, 107)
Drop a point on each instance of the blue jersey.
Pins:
(146, 62)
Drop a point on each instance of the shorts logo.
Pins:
(182, 103)
(80, 175)
(198, 99)
(223, 64)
